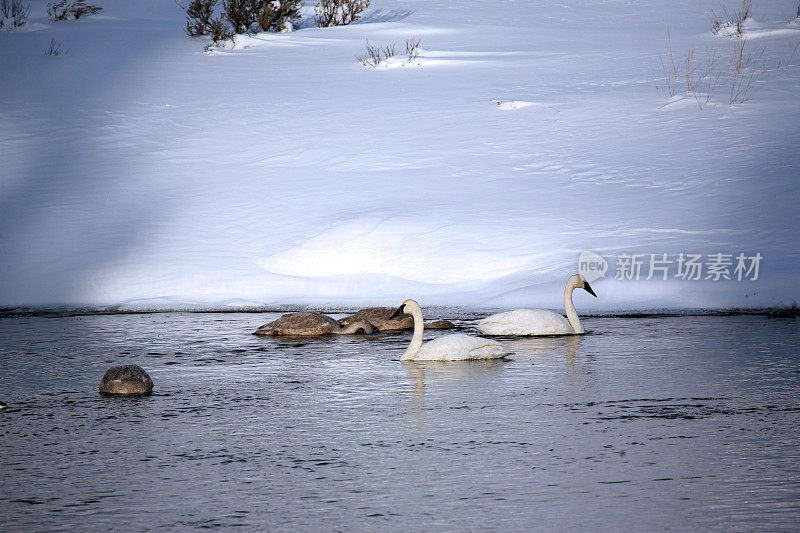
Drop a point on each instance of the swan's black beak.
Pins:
(588, 288)
(400, 311)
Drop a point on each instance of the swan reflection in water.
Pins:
(549, 352)
(550, 347)
(428, 372)
(445, 373)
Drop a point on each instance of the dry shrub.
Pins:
(63, 10)
(247, 16)
(54, 49)
(220, 31)
(13, 13)
(199, 15)
(703, 75)
(373, 55)
(743, 68)
(338, 12)
(731, 22)
(278, 16)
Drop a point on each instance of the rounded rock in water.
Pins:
(127, 380)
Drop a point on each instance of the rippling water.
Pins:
(643, 424)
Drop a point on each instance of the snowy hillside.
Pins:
(139, 171)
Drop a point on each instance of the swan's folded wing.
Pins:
(525, 322)
(498, 324)
(460, 347)
(488, 351)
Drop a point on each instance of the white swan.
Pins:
(457, 347)
(539, 321)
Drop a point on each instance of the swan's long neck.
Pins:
(419, 327)
(569, 307)
(354, 327)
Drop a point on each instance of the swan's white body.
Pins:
(456, 347)
(526, 322)
(539, 321)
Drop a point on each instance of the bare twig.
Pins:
(795, 46)
(413, 49)
(54, 49)
(743, 68)
(670, 70)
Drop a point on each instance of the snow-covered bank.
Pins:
(138, 170)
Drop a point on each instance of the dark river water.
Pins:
(644, 424)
